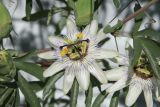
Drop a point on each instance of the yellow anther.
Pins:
(64, 51)
(79, 35)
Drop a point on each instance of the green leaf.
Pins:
(52, 11)
(138, 19)
(25, 56)
(5, 22)
(26, 89)
(11, 99)
(74, 94)
(116, 3)
(99, 99)
(149, 33)
(5, 95)
(137, 51)
(17, 99)
(97, 4)
(134, 105)
(36, 16)
(71, 4)
(83, 11)
(115, 28)
(108, 29)
(60, 25)
(89, 95)
(36, 85)
(30, 68)
(152, 50)
(114, 100)
(28, 9)
(49, 86)
(39, 4)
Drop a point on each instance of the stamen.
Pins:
(79, 35)
(64, 51)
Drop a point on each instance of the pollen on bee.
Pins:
(79, 35)
(64, 51)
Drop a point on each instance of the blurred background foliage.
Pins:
(32, 21)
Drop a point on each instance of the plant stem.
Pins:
(139, 11)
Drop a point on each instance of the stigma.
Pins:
(142, 72)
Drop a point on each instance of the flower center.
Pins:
(142, 71)
(75, 51)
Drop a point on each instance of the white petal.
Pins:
(100, 35)
(56, 41)
(68, 79)
(116, 73)
(122, 60)
(148, 96)
(54, 68)
(133, 93)
(82, 75)
(95, 70)
(86, 30)
(47, 55)
(91, 29)
(105, 53)
(71, 29)
(120, 84)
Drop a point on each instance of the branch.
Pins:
(139, 11)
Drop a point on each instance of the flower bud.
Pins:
(7, 67)
(5, 22)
